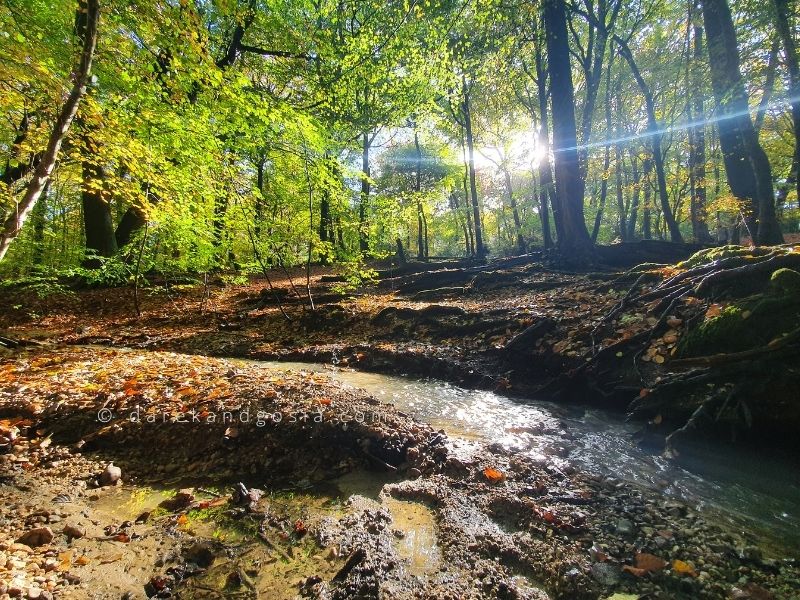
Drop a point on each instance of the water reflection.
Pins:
(750, 493)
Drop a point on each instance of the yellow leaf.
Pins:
(683, 568)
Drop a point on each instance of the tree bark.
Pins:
(785, 30)
(480, 249)
(575, 242)
(633, 214)
(421, 241)
(655, 142)
(697, 140)
(547, 192)
(97, 222)
(746, 163)
(512, 202)
(363, 206)
(647, 168)
(44, 169)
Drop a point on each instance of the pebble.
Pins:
(111, 475)
(72, 530)
(36, 537)
(606, 574)
(624, 527)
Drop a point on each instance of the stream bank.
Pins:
(505, 524)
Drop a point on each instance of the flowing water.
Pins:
(757, 496)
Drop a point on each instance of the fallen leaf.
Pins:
(683, 568)
(649, 562)
(634, 571)
(714, 310)
(493, 475)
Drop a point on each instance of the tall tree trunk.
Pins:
(647, 168)
(98, 225)
(547, 193)
(421, 234)
(655, 142)
(633, 214)
(363, 207)
(131, 222)
(480, 249)
(512, 202)
(785, 29)
(697, 139)
(39, 218)
(607, 166)
(569, 184)
(43, 170)
(746, 163)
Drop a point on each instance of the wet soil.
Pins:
(362, 502)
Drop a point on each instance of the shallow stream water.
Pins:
(758, 496)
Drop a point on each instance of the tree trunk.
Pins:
(637, 190)
(570, 189)
(512, 202)
(480, 249)
(647, 167)
(746, 163)
(785, 29)
(697, 141)
(363, 207)
(43, 170)
(97, 221)
(655, 142)
(547, 195)
(39, 218)
(421, 242)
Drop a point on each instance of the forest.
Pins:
(399, 299)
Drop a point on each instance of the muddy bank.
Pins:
(496, 524)
(672, 344)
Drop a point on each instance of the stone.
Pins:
(36, 537)
(73, 531)
(624, 527)
(606, 574)
(111, 475)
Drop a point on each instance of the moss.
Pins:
(711, 254)
(753, 323)
(785, 282)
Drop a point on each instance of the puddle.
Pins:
(418, 542)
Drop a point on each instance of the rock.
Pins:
(34, 593)
(200, 553)
(750, 553)
(751, 591)
(624, 527)
(73, 531)
(111, 475)
(36, 537)
(606, 574)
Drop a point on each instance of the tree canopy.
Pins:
(217, 134)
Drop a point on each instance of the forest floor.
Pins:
(501, 525)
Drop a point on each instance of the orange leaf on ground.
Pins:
(493, 475)
(649, 562)
(634, 571)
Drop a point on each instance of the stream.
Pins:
(758, 496)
